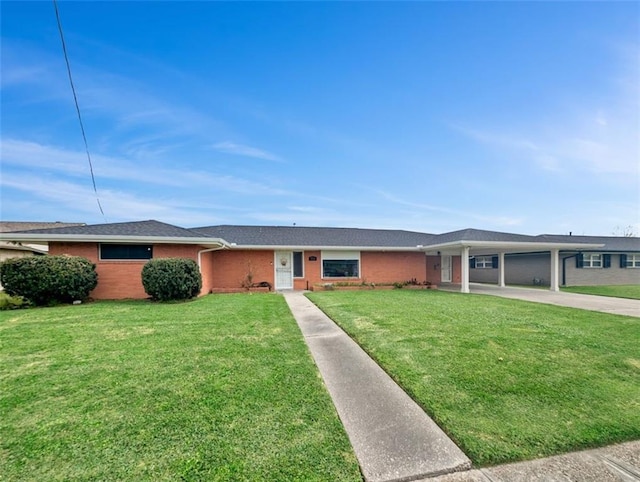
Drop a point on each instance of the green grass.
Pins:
(620, 291)
(221, 388)
(507, 380)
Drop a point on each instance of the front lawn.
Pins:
(619, 291)
(506, 379)
(221, 388)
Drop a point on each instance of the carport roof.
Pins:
(491, 242)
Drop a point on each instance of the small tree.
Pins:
(45, 280)
(167, 279)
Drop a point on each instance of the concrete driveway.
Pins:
(606, 304)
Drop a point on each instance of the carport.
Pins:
(474, 242)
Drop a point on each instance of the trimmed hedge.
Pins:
(46, 280)
(167, 279)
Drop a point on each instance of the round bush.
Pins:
(171, 279)
(45, 280)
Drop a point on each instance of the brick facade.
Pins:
(120, 279)
(227, 270)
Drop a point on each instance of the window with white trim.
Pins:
(632, 261)
(484, 261)
(340, 264)
(592, 260)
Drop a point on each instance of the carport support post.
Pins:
(501, 270)
(464, 262)
(554, 286)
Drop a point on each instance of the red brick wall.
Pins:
(226, 269)
(379, 267)
(230, 268)
(121, 279)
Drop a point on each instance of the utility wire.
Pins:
(75, 99)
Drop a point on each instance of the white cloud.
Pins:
(597, 135)
(245, 151)
(25, 155)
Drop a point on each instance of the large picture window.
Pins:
(126, 251)
(340, 264)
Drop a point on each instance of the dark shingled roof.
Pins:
(309, 236)
(137, 228)
(611, 243)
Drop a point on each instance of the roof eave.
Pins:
(509, 245)
(100, 238)
(320, 247)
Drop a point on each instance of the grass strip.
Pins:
(221, 388)
(616, 291)
(508, 380)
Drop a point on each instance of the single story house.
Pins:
(293, 257)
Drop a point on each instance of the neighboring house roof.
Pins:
(609, 243)
(37, 248)
(12, 226)
(301, 236)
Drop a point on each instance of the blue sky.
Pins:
(431, 116)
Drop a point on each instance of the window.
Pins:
(126, 251)
(298, 266)
(340, 264)
(592, 260)
(483, 262)
(630, 260)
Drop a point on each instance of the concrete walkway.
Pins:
(606, 304)
(617, 463)
(392, 437)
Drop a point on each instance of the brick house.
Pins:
(294, 257)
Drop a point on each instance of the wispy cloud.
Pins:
(596, 136)
(23, 155)
(494, 220)
(245, 151)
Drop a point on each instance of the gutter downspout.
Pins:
(221, 247)
(564, 268)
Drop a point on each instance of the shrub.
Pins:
(171, 279)
(8, 302)
(45, 280)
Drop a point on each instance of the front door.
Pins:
(284, 270)
(445, 269)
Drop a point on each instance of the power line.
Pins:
(75, 99)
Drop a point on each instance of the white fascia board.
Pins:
(322, 248)
(96, 238)
(510, 245)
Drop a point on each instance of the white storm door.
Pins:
(284, 270)
(445, 269)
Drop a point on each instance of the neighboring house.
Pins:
(19, 250)
(615, 262)
(294, 257)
